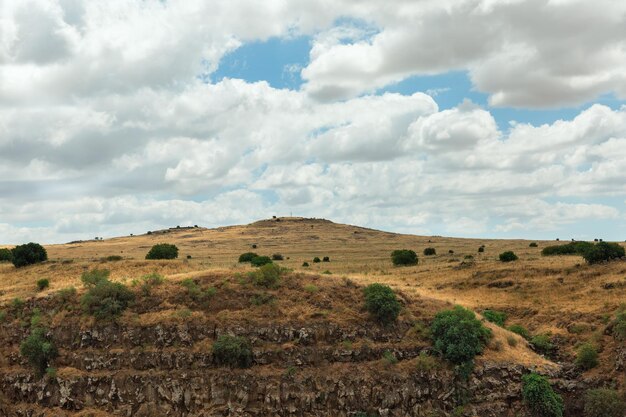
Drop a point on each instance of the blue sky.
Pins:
(475, 118)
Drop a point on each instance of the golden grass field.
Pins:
(557, 295)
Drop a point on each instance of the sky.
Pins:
(470, 118)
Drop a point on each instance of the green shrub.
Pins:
(604, 402)
(163, 251)
(6, 255)
(540, 398)
(42, 284)
(94, 277)
(150, 281)
(494, 316)
(603, 251)
(511, 340)
(381, 302)
(458, 336)
(325, 259)
(424, 362)
(542, 343)
(66, 295)
(39, 350)
(310, 288)
(17, 304)
(107, 300)
(430, 252)
(28, 254)
(305, 264)
(508, 256)
(267, 275)
(618, 328)
(572, 248)
(520, 330)
(316, 260)
(260, 261)
(247, 257)
(587, 356)
(277, 257)
(232, 351)
(533, 245)
(404, 257)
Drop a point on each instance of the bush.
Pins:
(305, 264)
(28, 254)
(603, 251)
(481, 249)
(247, 257)
(277, 257)
(94, 277)
(163, 251)
(618, 327)
(542, 343)
(572, 248)
(604, 402)
(587, 356)
(508, 256)
(520, 330)
(39, 350)
(260, 261)
(381, 302)
(497, 317)
(458, 336)
(540, 398)
(66, 295)
(533, 245)
(404, 257)
(325, 259)
(6, 255)
(267, 275)
(113, 258)
(316, 260)
(430, 252)
(232, 351)
(42, 284)
(107, 300)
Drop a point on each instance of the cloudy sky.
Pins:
(493, 118)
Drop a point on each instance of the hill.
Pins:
(168, 334)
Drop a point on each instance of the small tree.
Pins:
(6, 255)
(540, 398)
(404, 257)
(603, 251)
(28, 254)
(247, 257)
(430, 252)
(458, 335)
(508, 256)
(232, 351)
(39, 350)
(381, 302)
(163, 251)
(260, 261)
(604, 402)
(316, 260)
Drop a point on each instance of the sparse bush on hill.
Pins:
(542, 343)
(618, 327)
(66, 295)
(277, 257)
(325, 259)
(267, 275)
(260, 261)
(508, 256)
(459, 336)
(381, 302)
(232, 351)
(587, 356)
(106, 300)
(39, 350)
(150, 281)
(520, 330)
(28, 254)
(603, 251)
(94, 277)
(404, 257)
(6, 255)
(316, 260)
(604, 402)
(42, 284)
(163, 251)
(540, 398)
(494, 316)
(247, 257)
(533, 245)
(430, 252)
(572, 248)
(305, 264)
